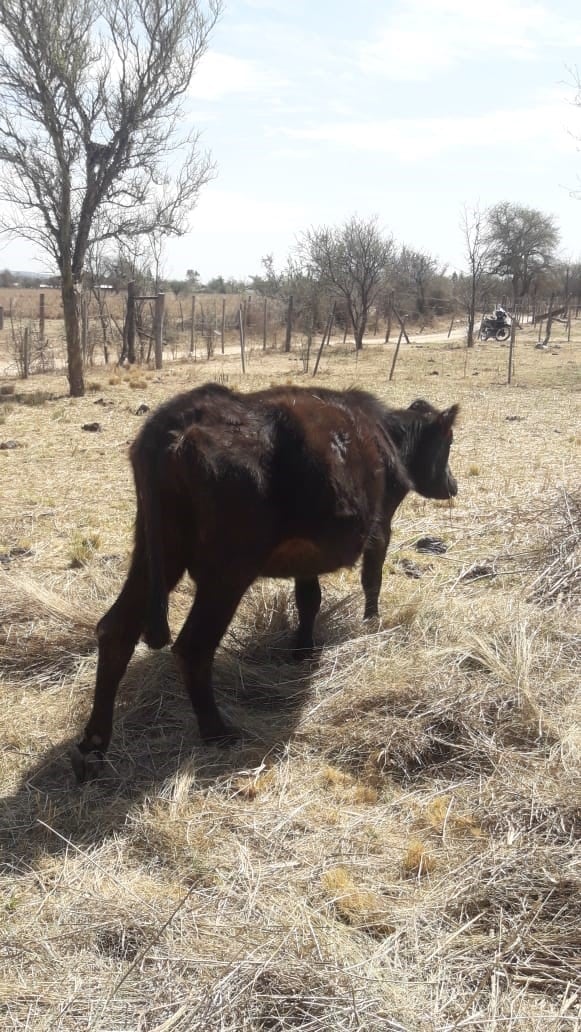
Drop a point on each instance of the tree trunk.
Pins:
(359, 323)
(471, 317)
(470, 335)
(73, 336)
(289, 324)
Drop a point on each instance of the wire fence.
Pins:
(128, 328)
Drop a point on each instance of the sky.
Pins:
(404, 110)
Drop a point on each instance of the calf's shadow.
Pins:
(259, 689)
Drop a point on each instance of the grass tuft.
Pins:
(83, 549)
(417, 861)
(358, 907)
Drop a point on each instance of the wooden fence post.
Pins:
(223, 325)
(1, 317)
(511, 348)
(26, 353)
(264, 324)
(289, 324)
(130, 322)
(326, 337)
(84, 326)
(309, 341)
(193, 328)
(545, 342)
(241, 317)
(402, 334)
(41, 316)
(388, 326)
(395, 354)
(159, 309)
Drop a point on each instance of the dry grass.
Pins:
(394, 846)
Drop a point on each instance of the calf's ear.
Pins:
(419, 405)
(447, 418)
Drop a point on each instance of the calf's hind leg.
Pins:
(214, 606)
(308, 600)
(117, 633)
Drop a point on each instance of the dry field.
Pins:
(394, 845)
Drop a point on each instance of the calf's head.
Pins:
(433, 436)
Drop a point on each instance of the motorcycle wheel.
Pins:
(503, 333)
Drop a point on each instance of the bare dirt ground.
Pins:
(394, 845)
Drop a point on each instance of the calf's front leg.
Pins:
(372, 572)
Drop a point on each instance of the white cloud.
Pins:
(276, 6)
(229, 211)
(551, 124)
(423, 37)
(221, 74)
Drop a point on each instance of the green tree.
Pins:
(193, 279)
(216, 285)
(300, 282)
(91, 99)
(413, 273)
(522, 243)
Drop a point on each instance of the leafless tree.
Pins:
(309, 296)
(522, 243)
(414, 272)
(476, 253)
(91, 103)
(156, 248)
(350, 261)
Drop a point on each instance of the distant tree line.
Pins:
(356, 268)
(509, 251)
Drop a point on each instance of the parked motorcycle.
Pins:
(495, 328)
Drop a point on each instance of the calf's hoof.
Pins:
(302, 648)
(219, 733)
(86, 764)
(371, 614)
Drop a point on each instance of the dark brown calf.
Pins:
(287, 482)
